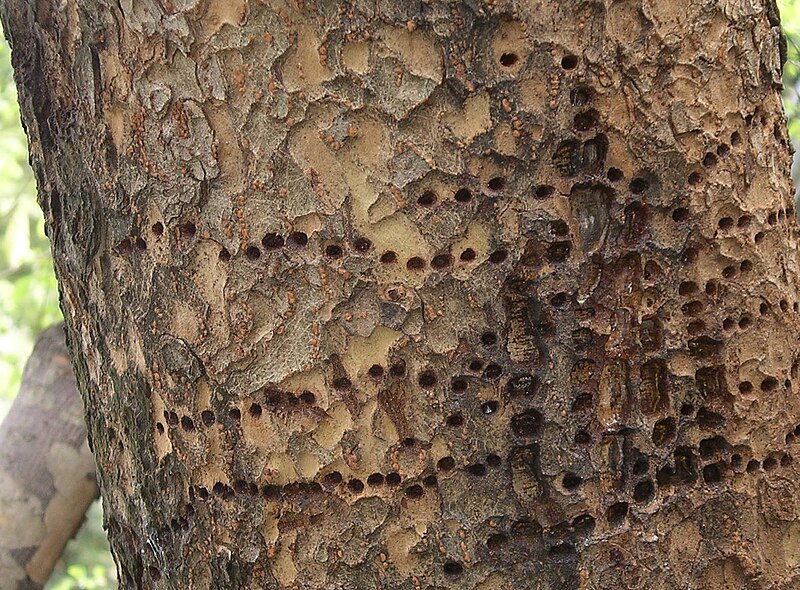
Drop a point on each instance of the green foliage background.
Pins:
(29, 299)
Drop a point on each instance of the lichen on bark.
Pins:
(422, 295)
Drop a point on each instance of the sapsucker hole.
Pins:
(454, 420)
(415, 491)
(468, 255)
(441, 261)
(252, 253)
(453, 569)
(333, 251)
(544, 191)
(498, 256)
(617, 513)
(375, 371)
(157, 228)
(389, 257)
(445, 464)
(569, 62)
(427, 379)
(415, 263)
(463, 196)
(508, 59)
(272, 241)
(298, 239)
(427, 199)
(615, 174)
(362, 245)
(497, 183)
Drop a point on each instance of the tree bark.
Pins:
(46, 470)
(471, 294)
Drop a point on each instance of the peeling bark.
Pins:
(421, 295)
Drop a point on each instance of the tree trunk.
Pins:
(441, 294)
(46, 470)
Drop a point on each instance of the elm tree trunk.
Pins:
(440, 294)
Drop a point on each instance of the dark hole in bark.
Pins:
(459, 385)
(255, 410)
(208, 418)
(342, 383)
(187, 229)
(582, 437)
(524, 384)
(468, 255)
(415, 263)
(463, 195)
(492, 371)
(527, 424)
(644, 491)
(333, 251)
(615, 174)
(375, 371)
(224, 255)
(497, 183)
(454, 420)
(508, 59)
(569, 62)
(638, 185)
(334, 478)
(680, 214)
(427, 379)
(446, 464)
(427, 199)
(695, 178)
(586, 120)
(453, 569)
(489, 338)
(617, 513)
(496, 541)
(571, 481)
(580, 96)
(498, 256)
(158, 228)
(664, 431)
(298, 239)
(398, 369)
(477, 469)
(393, 478)
(562, 552)
(414, 491)
(712, 474)
(769, 384)
(356, 486)
(272, 241)
(441, 261)
(362, 245)
(187, 424)
(489, 408)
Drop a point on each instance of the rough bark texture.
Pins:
(46, 470)
(435, 294)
